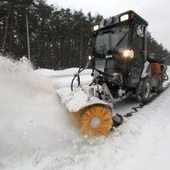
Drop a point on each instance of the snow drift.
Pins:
(32, 121)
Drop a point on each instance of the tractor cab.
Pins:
(118, 49)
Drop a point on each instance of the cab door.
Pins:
(136, 64)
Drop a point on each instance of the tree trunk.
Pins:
(8, 28)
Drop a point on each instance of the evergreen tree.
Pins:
(58, 37)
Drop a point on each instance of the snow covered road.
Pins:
(37, 132)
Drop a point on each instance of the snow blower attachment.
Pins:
(120, 67)
(92, 116)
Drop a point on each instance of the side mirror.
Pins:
(90, 47)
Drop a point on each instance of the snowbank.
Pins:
(61, 73)
(63, 78)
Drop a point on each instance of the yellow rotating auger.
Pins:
(94, 120)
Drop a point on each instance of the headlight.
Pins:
(89, 57)
(124, 17)
(128, 53)
(96, 27)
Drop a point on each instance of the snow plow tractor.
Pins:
(121, 67)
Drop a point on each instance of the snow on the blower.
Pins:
(36, 132)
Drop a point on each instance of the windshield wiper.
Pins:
(113, 48)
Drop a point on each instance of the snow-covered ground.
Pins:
(36, 132)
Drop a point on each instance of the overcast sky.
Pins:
(156, 12)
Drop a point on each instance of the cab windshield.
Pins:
(110, 40)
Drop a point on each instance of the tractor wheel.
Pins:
(143, 91)
(96, 121)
